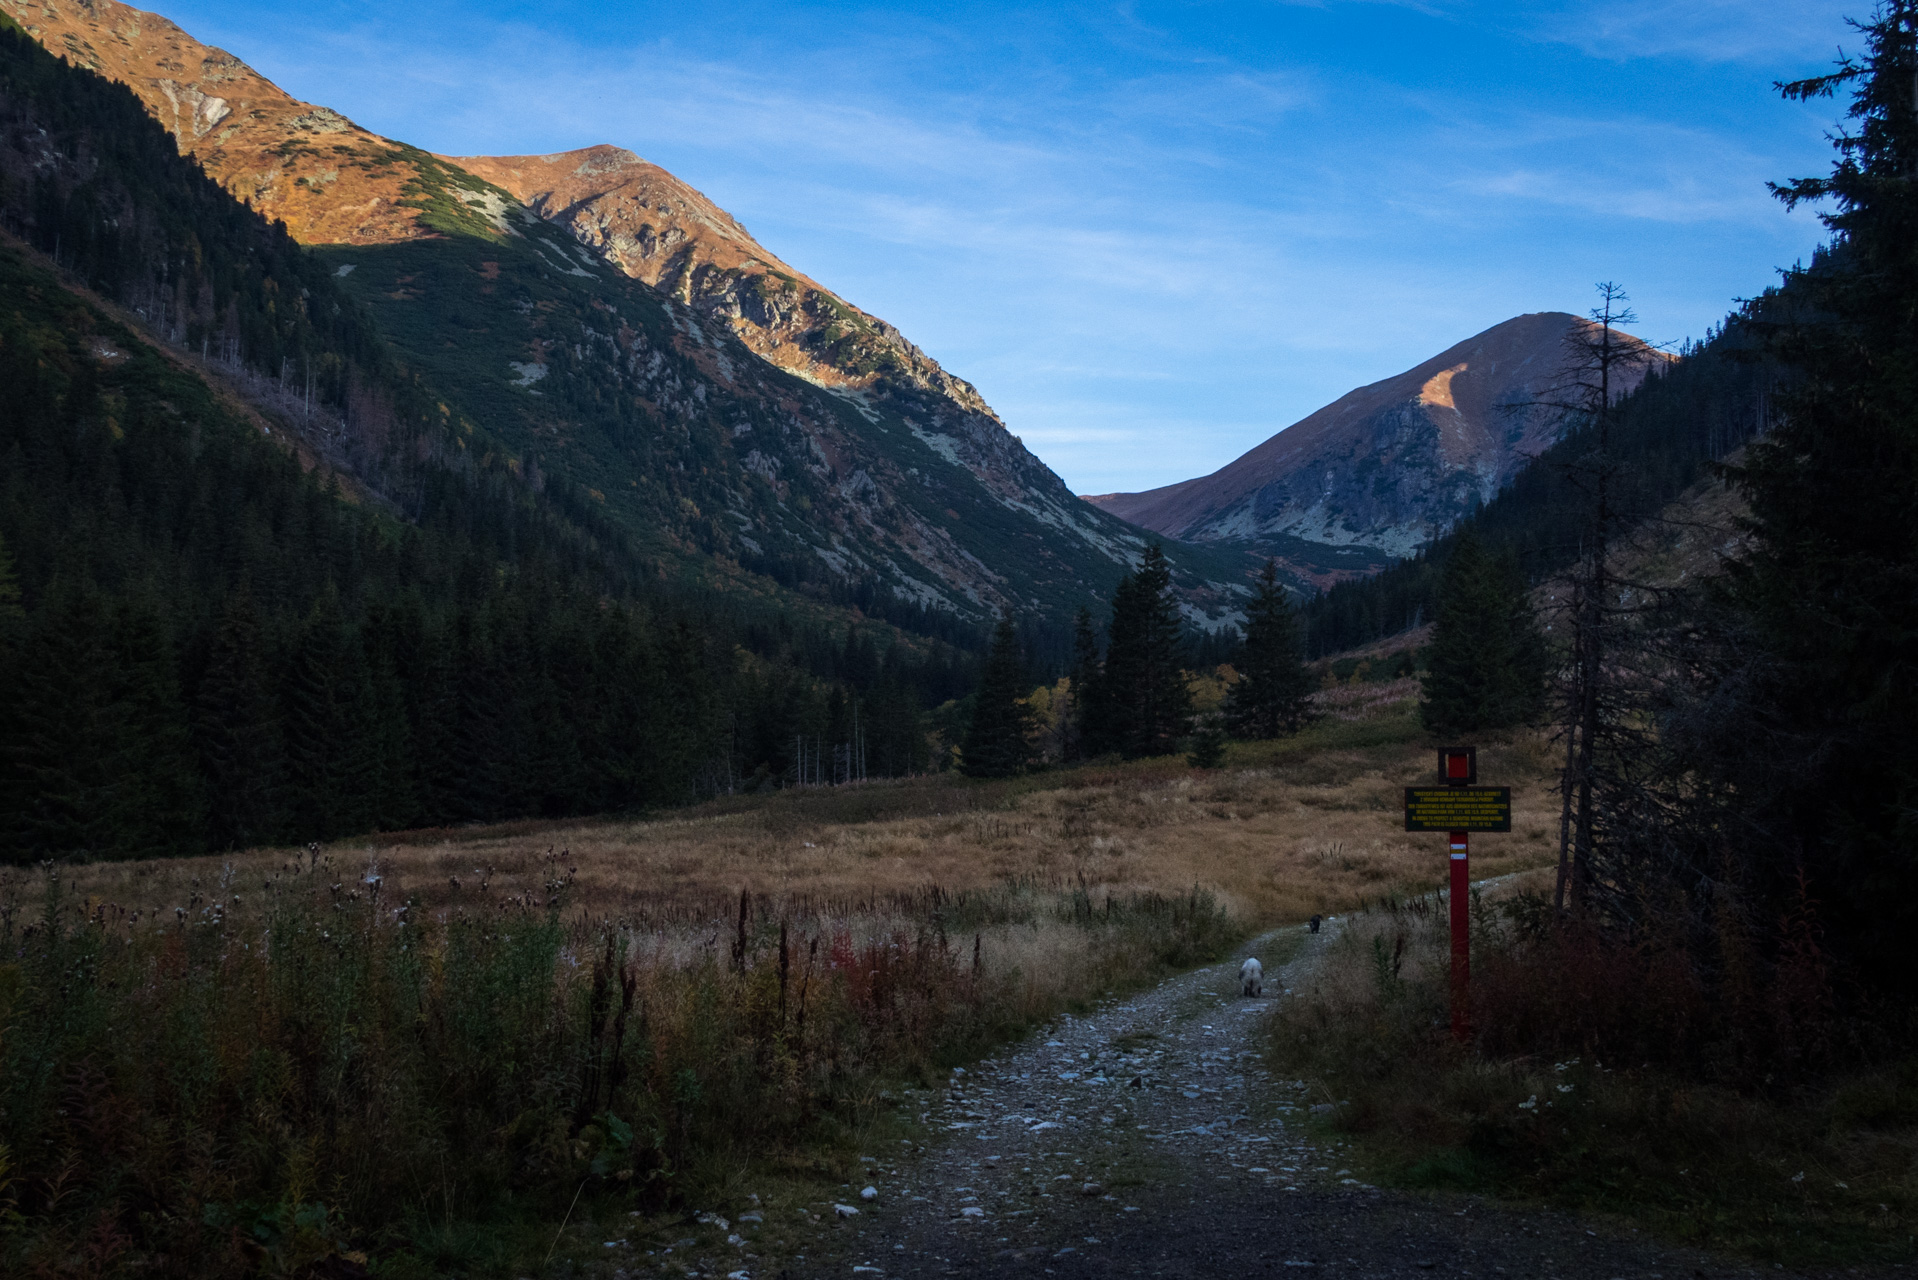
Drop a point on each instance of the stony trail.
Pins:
(1146, 1139)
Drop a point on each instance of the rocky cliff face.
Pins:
(615, 326)
(1388, 466)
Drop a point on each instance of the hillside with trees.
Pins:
(252, 608)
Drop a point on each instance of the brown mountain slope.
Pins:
(655, 228)
(329, 180)
(1388, 465)
(333, 182)
(524, 291)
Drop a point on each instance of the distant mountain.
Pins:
(1389, 466)
(605, 324)
(1665, 436)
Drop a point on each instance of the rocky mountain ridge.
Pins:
(608, 323)
(656, 228)
(1387, 466)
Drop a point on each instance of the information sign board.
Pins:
(1458, 808)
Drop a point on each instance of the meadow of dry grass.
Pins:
(1282, 831)
(382, 1045)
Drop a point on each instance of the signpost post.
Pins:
(1459, 807)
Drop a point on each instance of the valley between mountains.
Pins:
(608, 327)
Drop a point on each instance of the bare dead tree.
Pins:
(1602, 363)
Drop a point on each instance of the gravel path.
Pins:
(1146, 1139)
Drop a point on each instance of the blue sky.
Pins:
(1152, 234)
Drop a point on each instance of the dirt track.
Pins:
(1146, 1139)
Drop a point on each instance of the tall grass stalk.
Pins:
(312, 1066)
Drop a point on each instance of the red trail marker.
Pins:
(1458, 808)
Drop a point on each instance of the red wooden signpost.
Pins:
(1458, 808)
(1461, 934)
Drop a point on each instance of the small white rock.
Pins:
(845, 1211)
(869, 1193)
(972, 1211)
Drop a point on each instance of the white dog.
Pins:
(1252, 978)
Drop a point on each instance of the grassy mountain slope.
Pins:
(710, 456)
(871, 477)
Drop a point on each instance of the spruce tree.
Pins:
(1146, 695)
(996, 742)
(1487, 661)
(332, 784)
(1273, 695)
(10, 611)
(237, 730)
(896, 738)
(1812, 725)
(1208, 746)
(160, 793)
(14, 789)
(96, 762)
(1088, 721)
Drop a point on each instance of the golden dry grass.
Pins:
(896, 928)
(1283, 831)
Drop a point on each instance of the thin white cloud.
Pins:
(1767, 32)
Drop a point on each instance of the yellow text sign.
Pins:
(1458, 808)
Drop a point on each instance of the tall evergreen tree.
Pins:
(236, 726)
(997, 743)
(1273, 695)
(1088, 727)
(160, 791)
(10, 610)
(1810, 723)
(332, 783)
(896, 738)
(14, 788)
(1146, 694)
(1488, 660)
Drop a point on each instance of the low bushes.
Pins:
(308, 1071)
(1610, 1075)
